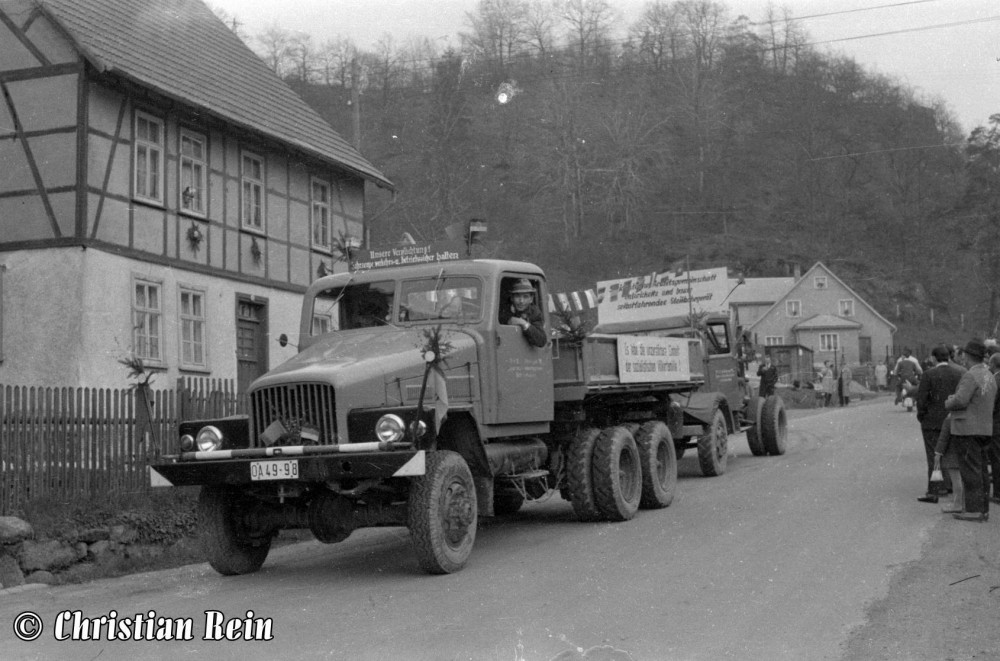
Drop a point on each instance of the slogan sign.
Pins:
(429, 253)
(661, 295)
(647, 358)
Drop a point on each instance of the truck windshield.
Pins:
(360, 305)
(452, 297)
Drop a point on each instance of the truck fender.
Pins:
(702, 405)
(460, 434)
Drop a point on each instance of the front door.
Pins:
(523, 373)
(251, 340)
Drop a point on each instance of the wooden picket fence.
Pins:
(78, 442)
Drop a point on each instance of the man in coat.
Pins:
(972, 428)
(938, 383)
(768, 374)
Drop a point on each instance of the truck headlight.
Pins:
(209, 438)
(390, 427)
(187, 442)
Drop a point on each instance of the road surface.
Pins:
(776, 559)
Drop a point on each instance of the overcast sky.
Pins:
(948, 49)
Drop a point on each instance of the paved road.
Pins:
(776, 559)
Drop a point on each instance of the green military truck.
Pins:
(346, 434)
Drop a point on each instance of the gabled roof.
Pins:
(827, 271)
(182, 50)
(821, 321)
(759, 290)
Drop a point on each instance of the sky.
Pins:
(943, 49)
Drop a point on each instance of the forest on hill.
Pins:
(696, 137)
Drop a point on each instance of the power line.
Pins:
(845, 11)
(988, 19)
(884, 151)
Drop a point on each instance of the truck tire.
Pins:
(754, 439)
(579, 474)
(442, 513)
(658, 459)
(713, 446)
(225, 539)
(507, 499)
(774, 425)
(617, 474)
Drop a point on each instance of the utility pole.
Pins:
(356, 101)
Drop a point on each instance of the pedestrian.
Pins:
(768, 374)
(972, 408)
(994, 449)
(938, 383)
(826, 378)
(907, 371)
(844, 384)
(881, 374)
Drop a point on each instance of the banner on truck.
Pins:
(648, 358)
(661, 295)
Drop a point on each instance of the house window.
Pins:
(193, 173)
(321, 214)
(829, 342)
(148, 158)
(320, 324)
(793, 308)
(819, 282)
(252, 175)
(773, 340)
(192, 327)
(846, 307)
(147, 321)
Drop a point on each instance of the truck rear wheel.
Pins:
(579, 474)
(228, 544)
(442, 513)
(713, 446)
(658, 459)
(774, 425)
(754, 439)
(617, 474)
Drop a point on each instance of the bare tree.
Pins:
(274, 43)
(232, 22)
(498, 27)
(659, 34)
(588, 22)
(334, 58)
(302, 56)
(539, 23)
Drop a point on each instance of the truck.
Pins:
(409, 403)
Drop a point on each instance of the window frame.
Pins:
(160, 149)
(324, 206)
(202, 197)
(797, 304)
(253, 183)
(841, 308)
(824, 340)
(148, 360)
(768, 340)
(817, 279)
(182, 319)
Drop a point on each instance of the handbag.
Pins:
(936, 475)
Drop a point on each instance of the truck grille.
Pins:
(298, 407)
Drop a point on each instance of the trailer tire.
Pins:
(754, 437)
(227, 543)
(713, 446)
(617, 474)
(442, 513)
(658, 458)
(774, 425)
(579, 474)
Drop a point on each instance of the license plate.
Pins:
(285, 469)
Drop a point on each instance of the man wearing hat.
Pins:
(972, 428)
(523, 312)
(938, 383)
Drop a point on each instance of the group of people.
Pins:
(959, 412)
(835, 382)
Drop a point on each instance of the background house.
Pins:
(164, 194)
(820, 312)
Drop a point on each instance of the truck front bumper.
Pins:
(309, 468)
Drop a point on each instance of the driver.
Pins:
(523, 312)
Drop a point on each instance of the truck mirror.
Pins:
(283, 340)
